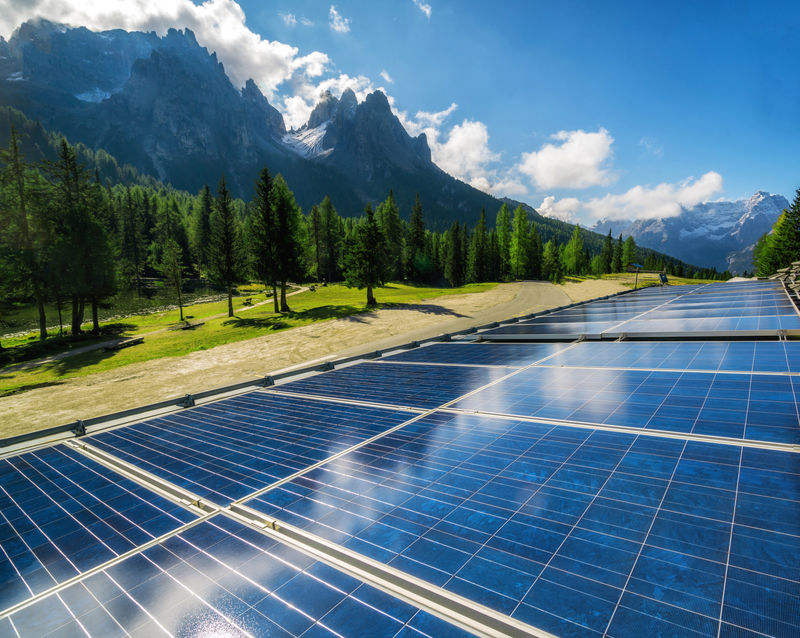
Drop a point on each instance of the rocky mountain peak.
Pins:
(324, 110)
(348, 103)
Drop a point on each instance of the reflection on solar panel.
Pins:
(221, 578)
(62, 514)
(577, 532)
(590, 489)
(226, 450)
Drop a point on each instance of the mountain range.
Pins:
(719, 234)
(165, 106)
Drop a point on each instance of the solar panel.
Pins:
(62, 514)
(416, 386)
(221, 578)
(741, 406)
(732, 356)
(572, 531)
(497, 354)
(609, 489)
(231, 448)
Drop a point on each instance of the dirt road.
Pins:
(151, 381)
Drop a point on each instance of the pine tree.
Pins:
(366, 257)
(225, 259)
(288, 248)
(551, 264)
(387, 216)
(628, 252)
(607, 254)
(316, 233)
(503, 227)
(262, 229)
(573, 257)
(785, 242)
(519, 250)
(132, 248)
(171, 267)
(419, 264)
(26, 231)
(202, 228)
(454, 265)
(535, 253)
(477, 264)
(616, 257)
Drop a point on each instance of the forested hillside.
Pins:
(77, 227)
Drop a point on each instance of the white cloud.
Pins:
(578, 160)
(289, 18)
(218, 24)
(306, 22)
(338, 23)
(563, 209)
(305, 95)
(639, 202)
(424, 7)
(386, 77)
(465, 152)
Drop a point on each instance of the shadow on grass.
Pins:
(32, 350)
(279, 322)
(427, 308)
(24, 388)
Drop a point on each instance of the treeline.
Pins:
(781, 246)
(73, 240)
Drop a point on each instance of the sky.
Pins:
(584, 110)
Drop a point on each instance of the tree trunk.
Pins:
(230, 301)
(180, 303)
(95, 319)
(42, 318)
(60, 317)
(371, 297)
(275, 297)
(284, 305)
(76, 315)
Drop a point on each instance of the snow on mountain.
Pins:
(719, 234)
(307, 142)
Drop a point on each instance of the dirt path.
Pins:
(151, 381)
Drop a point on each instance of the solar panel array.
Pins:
(578, 489)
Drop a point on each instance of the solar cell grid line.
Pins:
(417, 386)
(231, 448)
(778, 357)
(466, 514)
(63, 514)
(680, 296)
(223, 578)
(651, 399)
(496, 354)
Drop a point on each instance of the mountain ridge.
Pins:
(723, 232)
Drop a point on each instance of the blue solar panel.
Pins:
(62, 514)
(575, 532)
(225, 450)
(741, 406)
(220, 578)
(733, 356)
(416, 386)
(500, 354)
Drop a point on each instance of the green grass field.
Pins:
(326, 303)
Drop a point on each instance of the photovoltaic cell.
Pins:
(742, 406)
(225, 450)
(573, 531)
(499, 354)
(62, 514)
(732, 356)
(416, 386)
(220, 578)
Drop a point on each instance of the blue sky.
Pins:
(582, 109)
